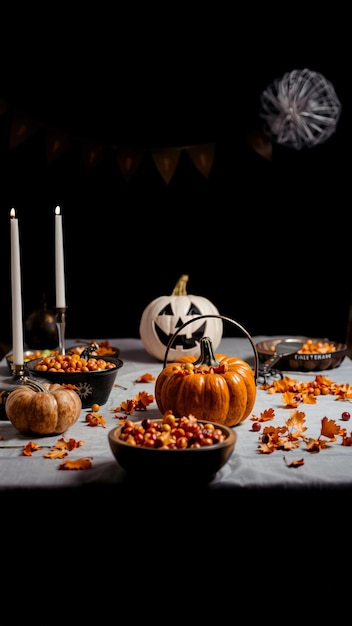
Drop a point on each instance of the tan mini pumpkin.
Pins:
(49, 412)
(215, 388)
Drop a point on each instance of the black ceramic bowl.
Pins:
(92, 387)
(306, 362)
(163, 464)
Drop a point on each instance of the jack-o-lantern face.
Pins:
(165, 315)
(166, 324)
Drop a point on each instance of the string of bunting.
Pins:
(128, 159)
(299, 110)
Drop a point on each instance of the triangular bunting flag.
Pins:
(166, 161)
(56, 145)
(4, 106)
(261, 142)
(92, 154)
(128, 160)
(203, 158)
(22, 128)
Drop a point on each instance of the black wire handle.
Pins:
(221, 317)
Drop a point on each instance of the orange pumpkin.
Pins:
(215, 388)
(47, 412)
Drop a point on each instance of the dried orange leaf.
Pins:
(127, 407)
(297, 420)
(265, 416)
(143, 400)
(55, 454)
(297, 463)
(346, 440)
(330, 429)
(313, 445)
(30, 447)
(77, 464)
(291, 399)
(94, 419)
(266, 448)
(138, 403)
(309, 398)
(67, 444)
(145, 378)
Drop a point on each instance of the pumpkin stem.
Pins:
(207, 356)
(34, 384)
(180, 287)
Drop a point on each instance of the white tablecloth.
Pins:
(246, 469)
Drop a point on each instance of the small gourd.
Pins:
(48, 412)
(166, 314)
(214, 388)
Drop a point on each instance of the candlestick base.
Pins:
(61, 327)
(17, 371)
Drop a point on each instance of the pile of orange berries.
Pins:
(72, 363)
(171, 432)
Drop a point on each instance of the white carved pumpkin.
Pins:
(166, 314)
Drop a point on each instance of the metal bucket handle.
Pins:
(222, 317)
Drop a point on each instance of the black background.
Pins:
(266, 241)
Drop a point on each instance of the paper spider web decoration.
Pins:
(301, 109)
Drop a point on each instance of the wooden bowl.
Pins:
(182, 464)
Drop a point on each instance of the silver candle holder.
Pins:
(61, 327)
(20, 377)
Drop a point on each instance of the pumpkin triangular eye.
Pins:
(193, 310)
(167, 310)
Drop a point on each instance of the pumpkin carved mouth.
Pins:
(186, 342)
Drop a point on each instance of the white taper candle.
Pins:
(16, 292)
(59, 261)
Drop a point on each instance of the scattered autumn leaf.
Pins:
(94, 419)
(330, 429)
(67, 444)
(127, 407)
(143, 400)
(297, 420)
(140, 402)
(315, 445)
(30, 447)
(264, 416)
(346, 440)
(77, 464)
(290, 435)
(294, 392)
(296, 463)
(145, 378)
(55, 454)
(60, 448)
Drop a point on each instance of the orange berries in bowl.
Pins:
(91, 378)
(172, 448)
